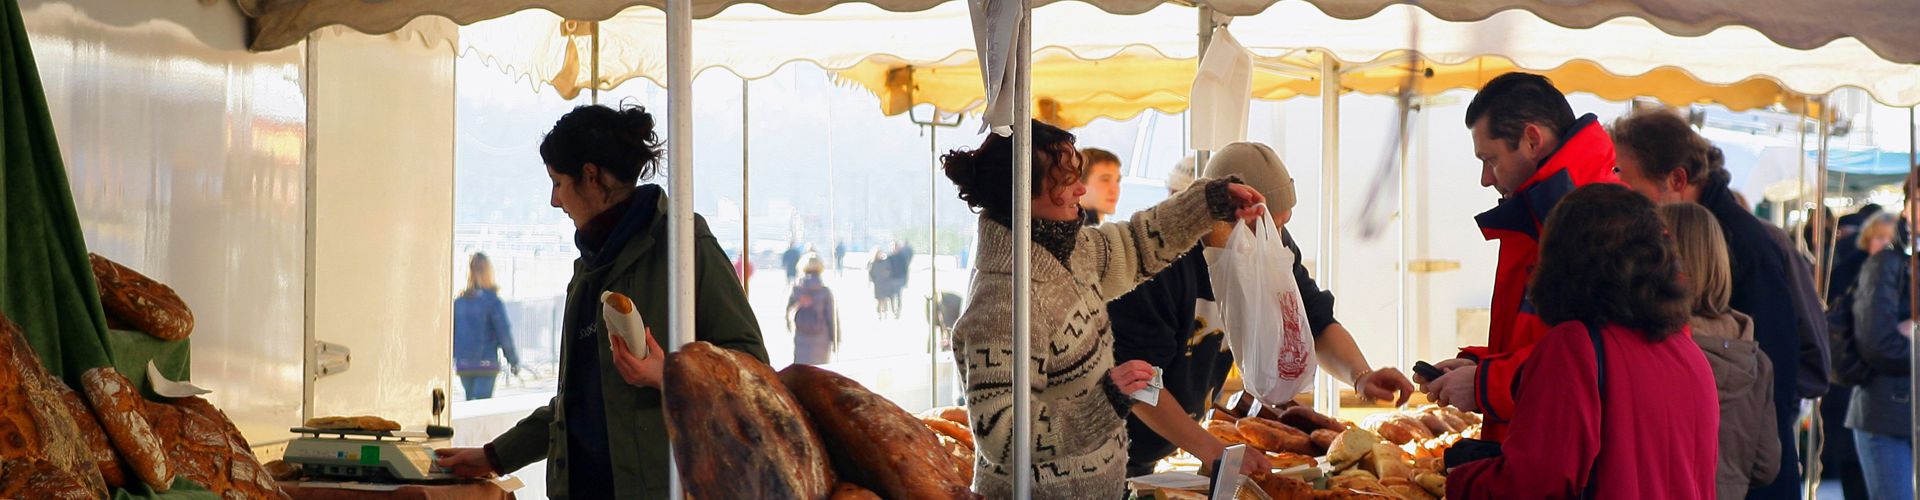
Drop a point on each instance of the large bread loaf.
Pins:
(205, 447)
(873, 442)
(103, 455)
(134, 298)
(118, 405)
(42, 453)
(737, 433)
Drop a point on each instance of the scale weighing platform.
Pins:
(373, 456)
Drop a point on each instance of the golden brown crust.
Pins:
(205, 447)
(1434, 484)
(38, 437)
(117, 403)
(956, 414)
(1387, 462)
(147, 304)
(364, 423)
(1351, 446)
(1279, 487)
(620, 302)
(737, 432)
(950, 429)
(1268, 435)
(850, 491)
(1289, 460)
(103, 455)
(874, 442)
(1226, 431)
(962, 456)
(1322, 440)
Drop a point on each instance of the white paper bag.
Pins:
(1261, 307)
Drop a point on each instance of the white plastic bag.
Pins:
(1221, 95)
(1261, 307)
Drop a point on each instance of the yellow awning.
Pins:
(1070, 91)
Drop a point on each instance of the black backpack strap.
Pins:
(1600, 374)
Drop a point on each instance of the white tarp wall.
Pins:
(185, 154)
(382, 201)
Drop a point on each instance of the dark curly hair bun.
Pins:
(622, 142)
(984, 175)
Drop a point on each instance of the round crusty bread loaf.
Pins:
(850, 491)
(874, 442)
(950, 429)
(38, 438)
(118, 405)
(737, 433)
(147, 304)
(205, 447)
(103, 454)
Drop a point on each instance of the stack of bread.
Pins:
(61, 443)
(742, 431)
(1426, 431)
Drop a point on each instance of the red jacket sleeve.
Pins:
(1555, 437)
(1495, 377)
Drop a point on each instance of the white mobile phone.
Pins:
(623, 319)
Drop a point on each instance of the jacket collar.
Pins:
(1585, 155)
(634, 233)
(996, 253)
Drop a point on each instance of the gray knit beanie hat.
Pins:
(1257, 166)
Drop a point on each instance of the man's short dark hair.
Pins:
(1095, 156)
(1513, 100)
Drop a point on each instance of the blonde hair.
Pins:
(813, 264)
(479, 275)
(1703, 257)
(1882, 224)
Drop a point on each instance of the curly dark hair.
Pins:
(621, 142)
(984, 175)
(1605, 258)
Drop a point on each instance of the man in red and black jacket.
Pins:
(1533, 151)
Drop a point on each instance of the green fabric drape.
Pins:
(46, 283)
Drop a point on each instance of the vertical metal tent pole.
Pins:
(593, 63)
(1814, 219)
(1913, 293)
(1022, 256)
(1201, 156)
(746, 179)
(936, 312)
(1806, 108)
(1326, 398)
(680, 260)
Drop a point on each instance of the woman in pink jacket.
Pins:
(1616, 401)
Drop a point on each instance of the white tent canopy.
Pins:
(1884, 26)
(755, 40)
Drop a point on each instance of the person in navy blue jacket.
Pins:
(481, 332)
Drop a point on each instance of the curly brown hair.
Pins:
(1605, 258)
(984, 175)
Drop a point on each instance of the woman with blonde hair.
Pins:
(480, 331)
(1749, 453)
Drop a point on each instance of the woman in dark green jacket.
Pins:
(604, 435)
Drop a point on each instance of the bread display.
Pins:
(1434, 483)
(850, 491)
(117, 403)
(1226, 431)
(961, 455)
(205, 447)
(1279, 487)
(1322, 440)
(1351, 446)
(41, 479)
(104, 457)
(955, 414)
(874, 443)
(42, 452)
(1268, 435)
(950, 429)
(738, 433)
(1304, 418)
(1289, 460)
(148, 305)
(1388, 461)
(360, 423)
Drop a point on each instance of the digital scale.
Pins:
(372, 456)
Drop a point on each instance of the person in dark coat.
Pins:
(1879, 411)
(481, 331)
(1839, 458)
(790, 261)
(1662, 157)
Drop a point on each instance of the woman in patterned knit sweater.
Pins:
(1079, 397)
